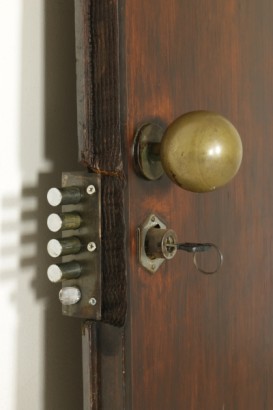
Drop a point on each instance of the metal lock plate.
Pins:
(81, 296)
(153, 239)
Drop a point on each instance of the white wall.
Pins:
(40, 350)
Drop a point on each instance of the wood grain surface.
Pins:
(192, 341)
(100, 139)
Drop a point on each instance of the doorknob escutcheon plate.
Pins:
(146, 164)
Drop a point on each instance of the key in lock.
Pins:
(162, 243)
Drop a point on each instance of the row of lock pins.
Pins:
(58, 222)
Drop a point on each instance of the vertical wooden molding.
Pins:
(100, 139)
(97, 52)
(100, 150)
(90, 366)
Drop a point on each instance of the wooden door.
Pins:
(179, 339)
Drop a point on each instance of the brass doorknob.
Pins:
(200, 151)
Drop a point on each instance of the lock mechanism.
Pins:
(157, 244)
(77, 247)
(151, 257)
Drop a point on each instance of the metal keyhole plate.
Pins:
(148, 262)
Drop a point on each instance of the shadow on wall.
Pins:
(62, 377)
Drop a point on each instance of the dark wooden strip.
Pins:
(113, 251)
(111, 367)
(103, 366)
(82, 33)
(90, 366)
(97, 51)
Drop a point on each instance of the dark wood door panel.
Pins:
(204, 342)
(190, 341)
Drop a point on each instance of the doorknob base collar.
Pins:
(146, 151)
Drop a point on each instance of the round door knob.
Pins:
(200, 151)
